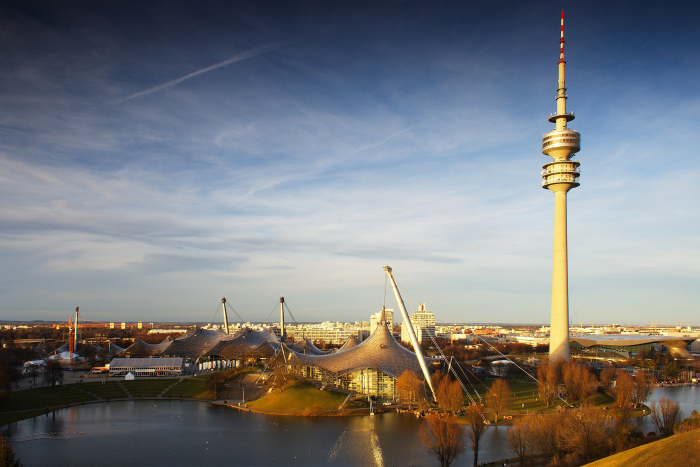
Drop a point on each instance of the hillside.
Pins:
(683, 449)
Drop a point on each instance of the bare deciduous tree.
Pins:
(586, 433)
(665, 415)
(443, 437)
(579, 381)
(448, 393)
(607, 376)
(545, 433)
(624, 390)
(52, 373)
(548, 378)
(410, 388)
(643, 387)
(477, 427)
(498, 397)
(520, 439)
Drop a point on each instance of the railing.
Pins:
(575, 170)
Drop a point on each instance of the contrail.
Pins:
(236, 58)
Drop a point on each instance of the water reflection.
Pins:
(192, 433)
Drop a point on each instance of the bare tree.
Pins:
(586, 433)
(548, 379)
(52, 373)
(443, 437)
(579, 381)
(448, 393)
(665, 415)
(498, 397)
(643, 382)
(607, 376)
(520, 439)
(477, 427)
(624, 390)
(33, 372)
(545, 435)
(410, 388)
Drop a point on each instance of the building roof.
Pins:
(676, 345)
(196, 342)
(306, 347)
(145, 363)
(349, 344)
(244, 343)
(379, 351)
(141, 348)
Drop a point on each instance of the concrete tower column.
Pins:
(559, 331)
(560, 176)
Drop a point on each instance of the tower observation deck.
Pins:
(559, 176)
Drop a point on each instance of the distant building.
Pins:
(423, 322)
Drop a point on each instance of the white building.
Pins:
(423, 322)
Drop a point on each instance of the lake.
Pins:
(186, 433)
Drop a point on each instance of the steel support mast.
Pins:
(223, 306)
(411, 332)
(282, 318)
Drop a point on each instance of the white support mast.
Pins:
(411, 332)
(223, 306)
(282, 318)
(75, 339)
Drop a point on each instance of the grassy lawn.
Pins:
(525, 398)
(147, 387)
(195, 388)
(298, 396)
(38, 398)
(6, 418)
(108, 390)
(675, 450)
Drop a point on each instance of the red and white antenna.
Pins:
(561, 41)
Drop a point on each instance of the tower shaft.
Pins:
(560, 176)
(559, 330)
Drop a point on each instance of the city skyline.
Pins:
(158, 157)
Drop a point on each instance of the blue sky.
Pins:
(155, 157)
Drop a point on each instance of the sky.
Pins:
(157, 156)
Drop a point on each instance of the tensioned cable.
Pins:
(268, 316)
(384, 302)
(215, 313)
(290, 313)
(481, 338)
(234, 310)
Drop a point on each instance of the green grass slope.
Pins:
(680, 450)
(297, 398)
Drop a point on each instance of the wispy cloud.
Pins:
(254, 52)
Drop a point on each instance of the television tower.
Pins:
(560, 176)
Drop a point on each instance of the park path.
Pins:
(126, 391)
(162, 393)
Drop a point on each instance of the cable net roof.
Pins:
(139, 347)
(379, 352)
(305, 347)
(113, 349)
(246, 342)
(145, 363)
(349, 344)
